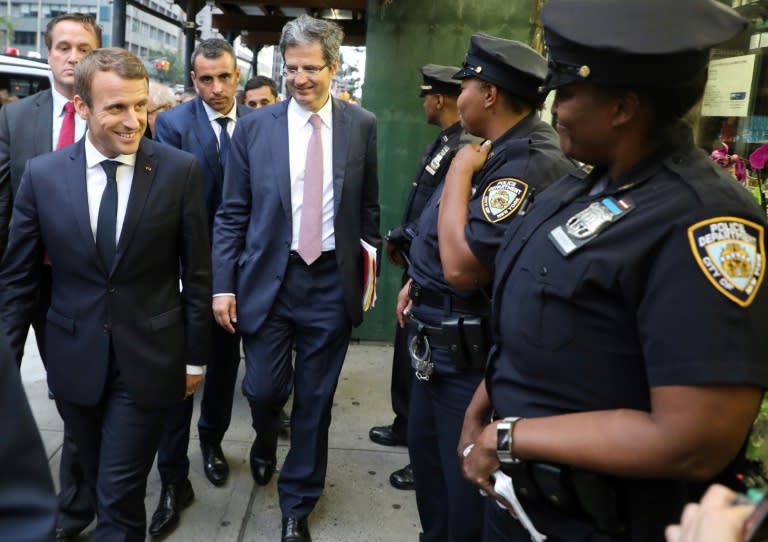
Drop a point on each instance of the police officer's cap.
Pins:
(508, 64)
(633, 42)
(439, 80)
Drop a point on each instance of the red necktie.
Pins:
(67, 134)
(310, 231)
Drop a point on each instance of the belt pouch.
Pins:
(599, 499)
(525, 487)
(451, 329)
(553, 483)
(476, 340)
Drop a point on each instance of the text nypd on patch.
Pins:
(502, 198)
(730, 252)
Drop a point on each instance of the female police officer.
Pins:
(628, 309)
(498, 102)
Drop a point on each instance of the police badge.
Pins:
(729, 250)
(502, 198)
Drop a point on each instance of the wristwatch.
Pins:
(505, 440)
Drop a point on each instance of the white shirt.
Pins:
(299, 132)
(58, 119)
(96, 182)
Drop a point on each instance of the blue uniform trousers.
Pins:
(450, 507)
(309, 313)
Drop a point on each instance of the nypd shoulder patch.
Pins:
(502, 198)
(729, 250)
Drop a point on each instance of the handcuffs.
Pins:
(420, 350)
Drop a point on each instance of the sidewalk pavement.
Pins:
(358, 503)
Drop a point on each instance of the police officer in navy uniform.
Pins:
(446, 306)
(439, 90)
(629, 307)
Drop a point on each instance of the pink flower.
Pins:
(759, 158)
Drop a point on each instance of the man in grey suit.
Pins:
(300, 192)
(30, 127)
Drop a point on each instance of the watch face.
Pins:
(504, 431)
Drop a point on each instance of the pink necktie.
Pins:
(67, 134)
(310, 232)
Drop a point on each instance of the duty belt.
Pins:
(576, 492)
(475, 304)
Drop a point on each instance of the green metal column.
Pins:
(403, 35)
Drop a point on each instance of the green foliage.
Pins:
(757, 447)
(175, 73)
(7, 28)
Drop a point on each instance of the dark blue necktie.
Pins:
(106, 227)
(223, 140)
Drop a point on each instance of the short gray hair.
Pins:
(160, 94)
(306, 30)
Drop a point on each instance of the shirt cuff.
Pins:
(224, 294)
(195, 370)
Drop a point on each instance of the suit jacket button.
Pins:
(106, 328)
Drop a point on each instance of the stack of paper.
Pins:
(369, 274)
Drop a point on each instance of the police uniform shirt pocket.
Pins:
(551, 313)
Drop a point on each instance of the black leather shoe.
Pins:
(295, 530)
(263, 458)
(402, 479)
(386, 436)
(214, 463)
(173, 499)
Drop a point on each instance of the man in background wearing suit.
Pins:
(36, 125)
(160, 99)
(202, 126)
(119, 216)
(260, 91)
(300, 192)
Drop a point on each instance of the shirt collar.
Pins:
(58, 102)
(93, 157)
(325, 113)
(213, 114)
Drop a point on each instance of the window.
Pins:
(22, 37)
(28, 10)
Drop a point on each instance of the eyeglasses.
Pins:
(309, 71)
(155, 110)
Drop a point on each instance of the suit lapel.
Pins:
(43, 121)
(281, 159)
(143, 174)
(206, 140)
(341, 133)
(74, 175)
